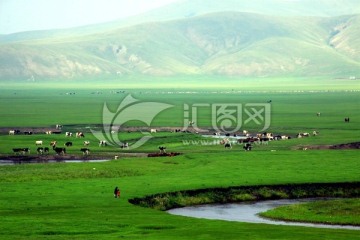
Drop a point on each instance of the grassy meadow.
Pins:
(331, 211)
(75, 200)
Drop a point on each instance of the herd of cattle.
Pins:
(245, 139)
(53, 144)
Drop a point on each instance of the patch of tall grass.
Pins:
(165, 201)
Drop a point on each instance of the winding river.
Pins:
(248, 212)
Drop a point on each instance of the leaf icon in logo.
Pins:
(129, 109)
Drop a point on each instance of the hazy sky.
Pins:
(26, 15)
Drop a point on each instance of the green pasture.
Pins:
(331, 211)
(290, 111)
(75, 200)
(62, 201)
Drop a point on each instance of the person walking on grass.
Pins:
(117, 192)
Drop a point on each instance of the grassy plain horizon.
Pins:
(189, 82)
(74, 200)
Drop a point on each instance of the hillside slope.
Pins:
(226, 43)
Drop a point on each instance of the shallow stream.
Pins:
(248, 212)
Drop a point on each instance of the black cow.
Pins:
(248, 140)
(59, 150)
(68, 144)
(21, 150)
(40, 150)
(247, 147)
(162, 149)
(125, 145)
(85, 151)
(46, 150)
(227, 145)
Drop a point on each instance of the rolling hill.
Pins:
(217, 43)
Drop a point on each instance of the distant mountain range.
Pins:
(232, 38)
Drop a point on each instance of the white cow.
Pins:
(12, 132)
(80, 135)
(86, 143)
(40, 142)
(300, 135)
(153, 130)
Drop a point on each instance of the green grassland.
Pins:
(293, 108)
(331, 211)
(75, 200)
